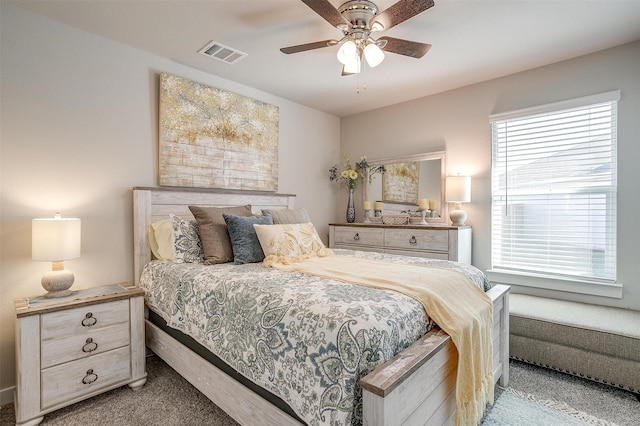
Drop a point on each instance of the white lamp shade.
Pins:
(347, 52)
(373, 54)
(55, 239)
(352, 66)
(458, 189)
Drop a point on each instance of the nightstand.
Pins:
(74, 347)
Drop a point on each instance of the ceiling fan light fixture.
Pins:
(347, 52)
(353, 65)
(377, 26)
(373, 54)
(357, 20)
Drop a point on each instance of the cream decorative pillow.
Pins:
(291, 241)
(161, 239)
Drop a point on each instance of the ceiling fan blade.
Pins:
(308, 46)
(400, 12)
(325, 9)
(405, 47)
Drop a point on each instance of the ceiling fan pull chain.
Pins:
(364, 76)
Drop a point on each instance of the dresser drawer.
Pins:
(72, 380)
(434, 242)
(78, 320)
(417, 239)
(359, 236)
(425, 254)
(89, 342)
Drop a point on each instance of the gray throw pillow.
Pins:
(213, 231)
(244, 240)
(288, 216)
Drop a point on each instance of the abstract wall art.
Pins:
(400, 182)
(212, 138)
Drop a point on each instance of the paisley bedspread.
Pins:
(305, 339)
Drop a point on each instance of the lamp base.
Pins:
(457, 216)
(423, 214)
(57, 283)
(367, 216)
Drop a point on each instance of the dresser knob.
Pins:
(413, 240)
(89, 346)
(90, 377)
(89, 320)
(356, 237)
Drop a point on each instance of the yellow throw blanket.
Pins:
(457, 305)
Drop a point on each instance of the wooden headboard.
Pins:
(151, 204)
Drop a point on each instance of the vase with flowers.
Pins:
(349, 175)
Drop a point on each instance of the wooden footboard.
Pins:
(418, 385)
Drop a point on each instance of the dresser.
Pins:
(435, 242)
(71, 348)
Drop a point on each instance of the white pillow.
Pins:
(291, 241)
(161, 239)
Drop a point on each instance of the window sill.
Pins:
(612, 290)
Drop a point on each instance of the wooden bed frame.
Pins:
(417, 386)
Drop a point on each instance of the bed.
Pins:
(416, 386)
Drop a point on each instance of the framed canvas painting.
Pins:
(400, 182)
(212, 138)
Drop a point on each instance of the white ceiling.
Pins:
(473, 40)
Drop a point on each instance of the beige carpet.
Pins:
(167, 399)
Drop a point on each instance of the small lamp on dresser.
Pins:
(55, 240)
(458, 190)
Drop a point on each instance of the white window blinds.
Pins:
(554, 189)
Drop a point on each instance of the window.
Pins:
(554, 190)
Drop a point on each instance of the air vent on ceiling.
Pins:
(223, 53)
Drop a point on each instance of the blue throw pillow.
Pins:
(244, 240)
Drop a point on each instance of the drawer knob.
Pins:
(356, 237)
(90, 377)
(89, 346)
(413, 240)
(89, 320)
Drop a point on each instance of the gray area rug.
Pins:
(514, 408)
(167, 399)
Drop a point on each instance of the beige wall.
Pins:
(458, 122)
(79, 130)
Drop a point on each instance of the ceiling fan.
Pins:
(358, 19)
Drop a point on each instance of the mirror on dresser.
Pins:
(408, 180)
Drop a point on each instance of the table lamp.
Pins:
(458, 190)
(56, 240)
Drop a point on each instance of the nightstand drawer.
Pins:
(82, 345)
(359, 236)
(413, 239)
(74, 379)
(79, 320)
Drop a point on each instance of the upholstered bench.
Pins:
(595, 342)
